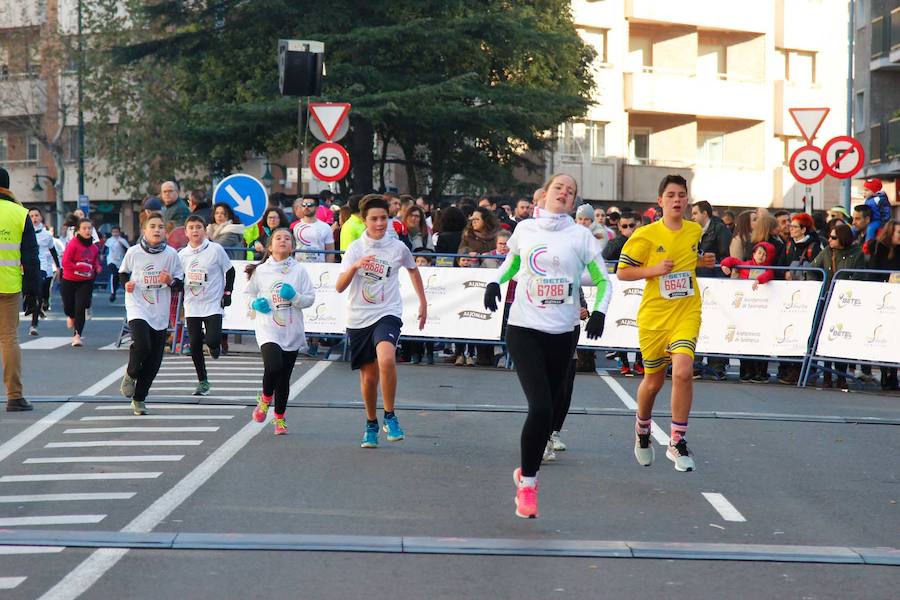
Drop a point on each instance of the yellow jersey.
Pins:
(668, 299)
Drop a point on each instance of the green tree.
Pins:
(467, 89)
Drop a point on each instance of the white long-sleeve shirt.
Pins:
(284, 324)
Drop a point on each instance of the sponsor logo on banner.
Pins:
(474, 284)
(706, 298)
(738, 299)
(633, 291)
(837, 332)
(847, 299)
(431, 286)
(749, 302)
(886, 305)
(788, 336)
(475, 314)
(877, 339)
(626, 323)
(796, 304)
(321, 314)
(323, 282)
(745, 336)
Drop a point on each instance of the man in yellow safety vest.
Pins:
(19, 274)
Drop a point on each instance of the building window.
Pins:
(877, 37)
(33, 59)
(893, 145)
(72, 143)
(875, 143)
(859, 113)
(4, 151)
(596, 39)
(711, 61)
(639, 144)
(4, 62)
(710, 148)
(32, 149)
(582, 140)
(895, 29)
(800, 67)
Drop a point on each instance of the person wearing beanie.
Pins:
(20, 274)
(585, 216)
(877, 200)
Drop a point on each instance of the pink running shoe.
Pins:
(280, 426)
(261, 410)
(526, 497)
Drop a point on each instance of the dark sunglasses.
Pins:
(627, 225)
(833, 237)
(307, 204)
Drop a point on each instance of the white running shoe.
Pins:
(681, 456)
(558, 444)
(643, 449)
(549, 452)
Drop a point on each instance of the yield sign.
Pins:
(809, 120)
(329, 116)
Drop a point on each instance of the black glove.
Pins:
(491, 295)
(595, 324)
(226, 300)
(30, 304)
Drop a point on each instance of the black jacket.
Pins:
(614, 249)
(716, 239)
(31, 264)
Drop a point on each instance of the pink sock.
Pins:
(678, 431)
(277, 416)
(642, 426)
(267, 399)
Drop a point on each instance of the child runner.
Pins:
(279, 289)
(48, 255)
(208, 281)
(665, 253)
(150, 272)
(547, 255)
(81, 264)
(371, 265)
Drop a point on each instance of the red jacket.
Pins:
(80, 261)
(766, 276)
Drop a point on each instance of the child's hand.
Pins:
(165, 277)
(726, 270)
(129, 286)
(755, 285)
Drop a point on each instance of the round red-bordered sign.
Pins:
(329, 162)
(807, 164)
(844, 156)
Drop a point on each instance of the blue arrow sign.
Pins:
(245, 194)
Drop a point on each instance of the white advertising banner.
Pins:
(860, 322)
(620, 329)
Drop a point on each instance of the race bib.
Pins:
(376, 270)
(550, 290)
(196, 277)
(150, 279)
(83, 269)
(676, 285)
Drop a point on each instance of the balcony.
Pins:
(885, 54)
(21, 95)
(787, 96)
(731, 185)
(705, 14)
(656, 91)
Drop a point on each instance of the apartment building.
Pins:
(703, 88)
(876, 87)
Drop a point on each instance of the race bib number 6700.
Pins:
(676, 285)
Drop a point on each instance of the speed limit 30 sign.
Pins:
(329, 162)
(808, 164)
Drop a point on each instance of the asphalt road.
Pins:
(795, 494)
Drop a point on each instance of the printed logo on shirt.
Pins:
(536, 259)
(660, 249)
(150, 284)
(282, 317)
(196, 277)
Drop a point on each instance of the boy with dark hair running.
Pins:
(665, 253)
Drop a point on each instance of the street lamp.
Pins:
(267, 177)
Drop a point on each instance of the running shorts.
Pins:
(657, 346)
(363, 341)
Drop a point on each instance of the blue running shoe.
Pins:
(370, 437)
(392, 429)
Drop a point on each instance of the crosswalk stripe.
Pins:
(5, 550)
(190, 389)
(11, 583)
(79, 476)
(122, 443)
(210, 368)
(51, 520)
(174, 406)
(14, 499)
(212, 381)
(95, 459)
(141, 429)
(160, 418)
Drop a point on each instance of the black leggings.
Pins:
(76, 296)
(145, 356)
(212, 338)
(44, 299)
(542, 364)
(561, 405)
(278, 365)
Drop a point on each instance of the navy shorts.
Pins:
(363, 341)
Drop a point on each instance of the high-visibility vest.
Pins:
(12, 223)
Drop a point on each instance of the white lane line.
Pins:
(209, 368)
(51, 520)
(50, 460)
(142, 429)
(46, 343)
(7, 550)
(36, 429)
(66, 497)
(105, 382)
(161, 418)
(123, 443)
(88, 572)
(79, 476)
(11, 583)
(725, 508)
(655, 430)
(307, 378)
(175, 406)
(157, 388)
(212, 380)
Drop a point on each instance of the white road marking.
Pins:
(122, 443)
(105, 382)
(210, 368)
(11, 583)
(6, 550)
(36, 429)
(142, 429)
(97, 459)
(191, 389)
(79, 476)
(214, 382)
(51, 520)
(655, 430)
(175, 406)
(66, 497)
(725, 508)
(46, 343)
(161, 418)
(88, 572)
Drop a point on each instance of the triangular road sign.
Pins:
(329, 116)
(809, 120)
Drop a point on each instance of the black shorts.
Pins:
(363, 341)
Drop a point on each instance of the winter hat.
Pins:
(770, 252)
(4, 178)
(873, 185)
(585, 211)
(840, 210)
(153, 204)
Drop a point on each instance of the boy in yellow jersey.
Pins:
(666, 254)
